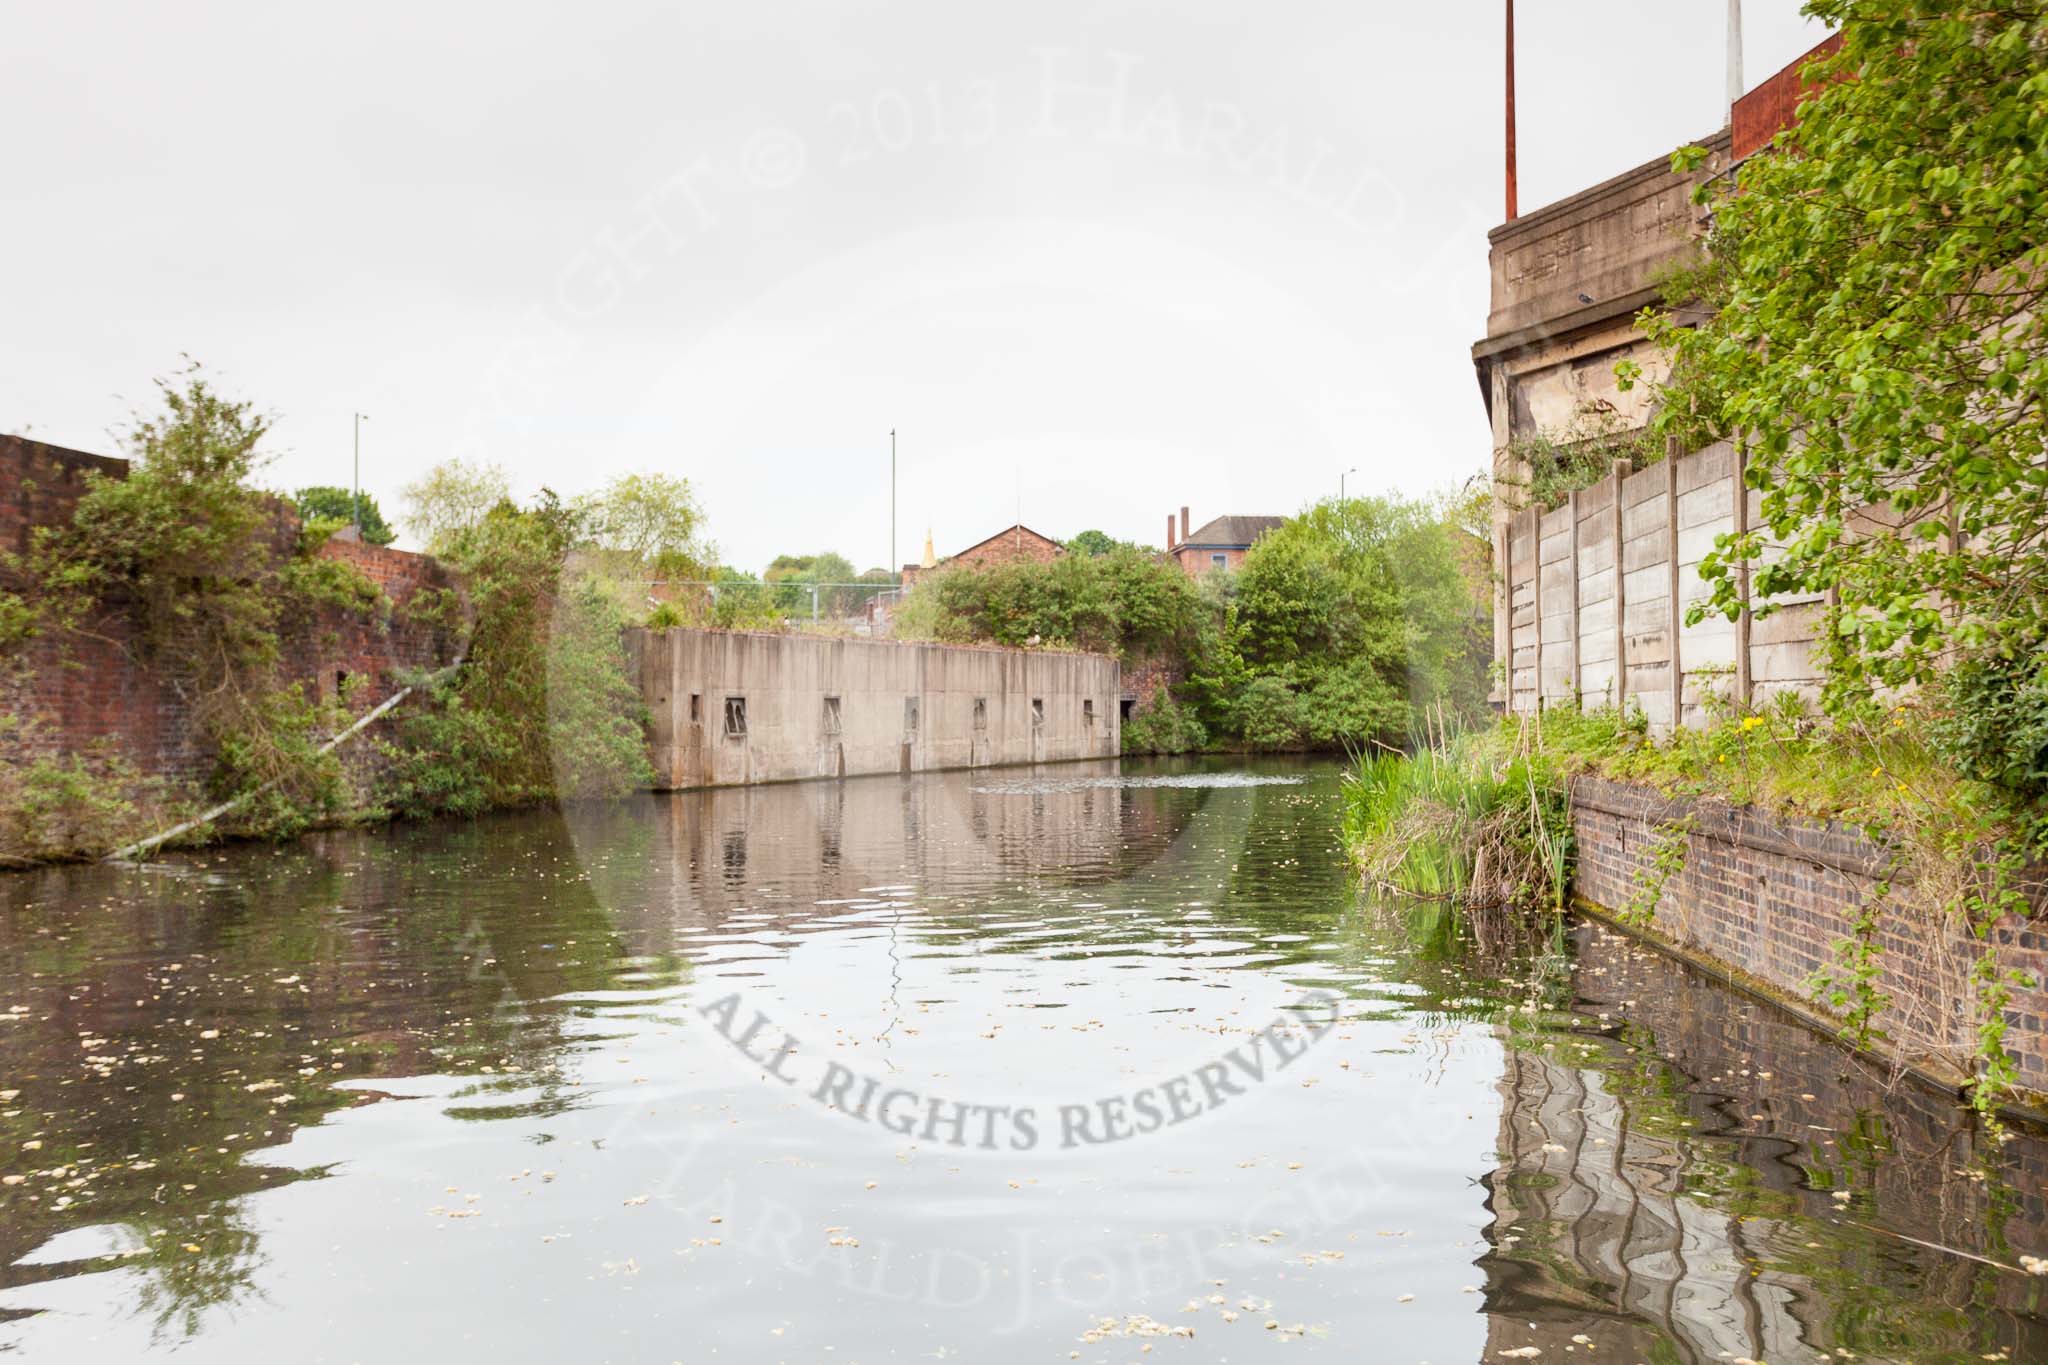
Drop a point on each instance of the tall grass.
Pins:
(1478, 821)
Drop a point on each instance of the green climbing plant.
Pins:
(1847, 984)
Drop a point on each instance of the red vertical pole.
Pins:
(1511, 111)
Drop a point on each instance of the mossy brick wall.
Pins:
(1772, 899)
(91, 690)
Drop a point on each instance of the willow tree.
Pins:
(1878, 347)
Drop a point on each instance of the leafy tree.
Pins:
(650, 521)
(1367, 610)
(544, 661)
(1341, 625)
(1092, 543)
(452, 499)
(800, 572)
(1125, 603)
(323, 502)
(1878, 343)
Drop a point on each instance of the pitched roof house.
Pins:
(1219, 543)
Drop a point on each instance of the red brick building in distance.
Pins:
(1017, 544)
(1217, 544)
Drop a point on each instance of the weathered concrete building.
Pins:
(1567, 282)
(730, 708)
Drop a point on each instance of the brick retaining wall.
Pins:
(90, 689)
(1771, 898)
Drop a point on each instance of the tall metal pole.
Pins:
(355, 493)
(1511, 111)
(894, 563)
(1340, 481)
(1734, 55)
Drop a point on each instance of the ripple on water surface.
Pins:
(1003, 1066)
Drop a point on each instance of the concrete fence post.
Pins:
(1621, 470)
(1536, 599)
(1571, 560)
(1744, 666)
(1671, 554)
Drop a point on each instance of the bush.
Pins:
(1268, 714)
(75, 805)
(1990, 719)
(1162, 725)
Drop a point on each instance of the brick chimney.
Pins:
(1169, 531)
(1183, 525)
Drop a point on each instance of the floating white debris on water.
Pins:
(1133, 1325)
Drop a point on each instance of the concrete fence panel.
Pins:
(1596, 593)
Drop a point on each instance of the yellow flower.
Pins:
(1722, 758)
(1751, 722)
(1877, 772)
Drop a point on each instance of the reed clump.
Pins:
(1479, 820)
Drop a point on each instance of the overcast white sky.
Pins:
(1093, 261)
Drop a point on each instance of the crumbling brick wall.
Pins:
(82, 691)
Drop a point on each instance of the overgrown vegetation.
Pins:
(58, 806)
(543, 706)
(1479, 820)
(1342, 624)
(1551, 465)
(1877, 347)
(197, 573)
(203, 577)
(1435, 824)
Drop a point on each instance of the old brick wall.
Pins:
(40, 483)
(1772, 898)
(1146, 676)
(1198, 560)
(93, 689)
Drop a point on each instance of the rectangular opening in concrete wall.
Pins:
(735, 717)
(910, 715)
(696, 707)
(1124, 707)
(831, 715)
(1088, 713)
(981, 713)
(1037, 712)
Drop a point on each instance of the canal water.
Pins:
(1083, 1062)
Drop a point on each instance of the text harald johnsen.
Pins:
(961, 1123)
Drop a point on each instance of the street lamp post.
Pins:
(355, 495)
(1340, 481)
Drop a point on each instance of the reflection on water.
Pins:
(1686, 1172)
(469, 1090)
